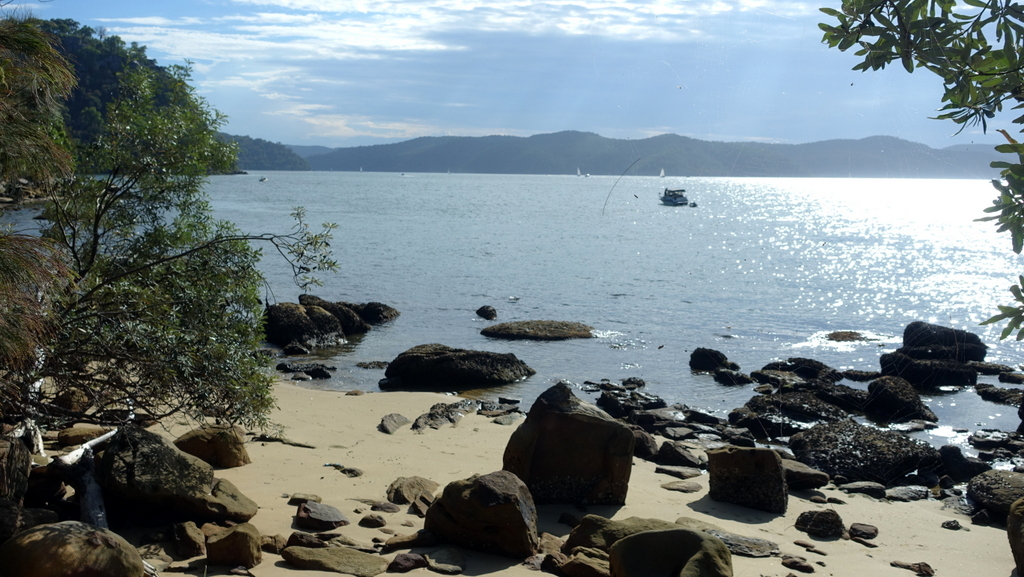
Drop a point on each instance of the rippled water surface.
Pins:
(762, 269)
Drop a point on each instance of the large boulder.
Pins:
(438, 367)
(539, 330)
(783, 414)
(750, 477)
(14, 519)
(373, 313)
(996, 491)
(221, 446)
(569, 451)
(69, 549)
(336, 560)
(143, 473)
(710, 360)
(960, 467)
(15, 463)
(311, 327)
(944, 342)
(492, 513)
(1015, 533)
(928, 374)
(236, 546)
(596, 532)
(894, 400)
(862, 453)
(678, 552)
(351, 322)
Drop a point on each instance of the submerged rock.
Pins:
(539, 330)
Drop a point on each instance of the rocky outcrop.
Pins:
(809, 369)
(783, 414)
(679, 552)
(923, 340)
(350, 321)
(594, 531)
(862, 453)
(894, 400)
(492, 513)
(438, 367)
(749, 477)
(311, 327)
(926, 374)
(145, 474)
(374, 313)
(569, 451)
(710, 360)
(69, 549)
(539, 331)
(221, 446)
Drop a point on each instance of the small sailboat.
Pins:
(578, 171)
(662, 173)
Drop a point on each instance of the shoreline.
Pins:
(343, 429)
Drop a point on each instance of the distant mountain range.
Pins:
(565, 152)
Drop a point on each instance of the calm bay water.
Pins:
(762, 269)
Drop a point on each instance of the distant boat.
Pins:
(663, 173)
(675, 197)
(578, 171)
(263, 179)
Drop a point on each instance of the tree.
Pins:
(977, 48)
(164, 314)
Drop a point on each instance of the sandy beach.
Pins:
(343, 430)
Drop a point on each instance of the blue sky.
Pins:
(355, 72)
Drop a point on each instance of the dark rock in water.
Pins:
(959, 354)
(861, 376)
(985, 368)
(894, 400)
(351, 322)
(928, 374)
(374, 313)
(710, 360)
(487, 312)
(862, 453)
(999, 395)
(303, 367)
(824, 524)
(842, 396)
(752, 478)
(311, 327)
(379, 365)
(996, 491)
(783, 414)
(807, 369)
(779, 379)
(437, 367)
(620, 404)
(1010, 378)
(568, 451)
(539, 331)
(732, 378)
(294, 348)
(922, 334)
(493, 513)
(442, 414)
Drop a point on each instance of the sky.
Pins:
(342, 73)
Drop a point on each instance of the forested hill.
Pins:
(565, 152)
(259, 154)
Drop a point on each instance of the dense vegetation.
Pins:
(977, 49)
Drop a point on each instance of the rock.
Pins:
(336, 559)
(750, 477)
(928, 374)
(809, 369)
(189, 541)
(442, 414)
(862, 453)
(311, 327)
(797, 563)
(385, 507)
(297, 499)
(392, 422)
(539, 331)
(907, 493)
(863, 530)
(677, 454)
(319, 517)
(222, 446)
(996, 491)
(14, 519)
(959, 467)
(784, 414)
(678, 472)
(238, 546)
(373, 312)
(1011, 377)
(1015, 533)
(732, 378)
(744, 546)
(405, 490)
(568, 451)
(953, 525)
(622, 403)
(273, 543)
(79, 434)
(405, 562)
(447, 561)
(586, 562)
(800, 477)
(921, 568)
(147, 475)
(600, 533)
(15, 464)
(493, 513)
(824, 524)
(681, 552)
(300, 539)
(69, 549)
(645, 446)
(682, 486)
(999, 395)
(437, 367)
(894, 400)
(373, 521)
(710, 360)
(420, 538)
(968, 345)
(487, 312)
(350, 321)
(869, 488)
